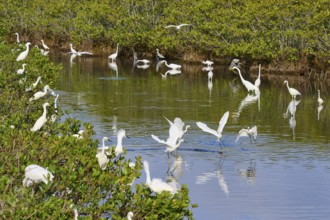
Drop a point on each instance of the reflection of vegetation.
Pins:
(264, 30)
(78, 180)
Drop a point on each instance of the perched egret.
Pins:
(156, 185)
(177, 27)
(258, 81)
(79, 135)
(249, 132)
(130, 215)
(173, 65)
(34, 85)
(36, 174)
(293, 92)
(217, 133)
(42, 120)
(44, 45)
(24, 54)
(159, 56)
(75, 53)
(102, 159)
(114, 55)
(40, 94)
(119, 147)
(17, 37)
(248, 85)
(208, 63)
(319, 99)
(21, 71)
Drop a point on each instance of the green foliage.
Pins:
(78, 180)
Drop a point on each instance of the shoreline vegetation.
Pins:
(281, 36)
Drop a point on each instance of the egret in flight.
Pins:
(173, 66)
(36, 174)
(177, 27)
(217, 133)
(319, 99)
(114, 55)
(159, 56)
(21, 71)
(42, 120)
(293, 92)
(24, 54)
(249, 132)
(156, 185)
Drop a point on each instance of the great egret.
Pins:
(293, 92)
(24, 54)
(114, 55)
(177, 27)
(258, 81)
(17, 37)
(156, 185)
(319, 99)
(159, 56)
(208, 63)
(180, 126)
(217, 133)
(21, 71)
(248, 85)
(119, 147)
(73, 51)
(130, 215)
(173, 66)
(249, 132)
(44, 45)
(77, 53)
(102, 159)
(42, 120)
(36, 174)
(34, 85)
(40, 94)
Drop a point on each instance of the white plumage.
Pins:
(159, 55)
(173, 65)
(248, 85)
(114, 55)
(208, 63)
(24, 54)
(36, 174)
(42, 120)
(258, 81)
(293, 92)
(40, 94)
(177, 27)
(249, 132)
(21, 71)
(217, 133)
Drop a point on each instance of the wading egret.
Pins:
(34, 85)
(249, 132)
(44, 45)
(319, 99)
(17, 37)
(293, 92)
(173, 65)
(130, 215)
(248, 85)
(159, 56)
(180, 126)
(156, 185)
(258, 81)
(24, 54)
(114, 55)
(208, 63)
(40, 94)
(36, 174)
(102, 159)
(217, 133)
(21, 71)
(177, 27)
(73, 51)
(42, 120)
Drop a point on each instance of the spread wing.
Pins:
(242, 133)
(253, 131)
(204, 127)
(157, 139)
(223, 122)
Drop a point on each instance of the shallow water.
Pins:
(291, 156)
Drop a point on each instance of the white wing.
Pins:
(168, 26)
(253, 131)
(84, 52)
(158, 186)
(157, 139)
(223, 122)
(242, 133)
(204, 127)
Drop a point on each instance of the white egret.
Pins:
(207, 68)
(42, 120)
(293, 92)
(114, 55)
(319, 99)
(217, 133)
(21, 71)
(40, 94)
(234, 62)
(248, 85)
(144, 61)
(258, 81)
(79, 135)
(44, 45)
(319, 109)
(54, 116)
(130, 215)
(102, 159)
(156, 185)
(77, 53)
(73, 51)
(249, 132)
(17, 37)
(177, 27)
(159, 55)
(173, 65)
(36, 174)
(119, 147)
(24, 54)
(34, 85)
(180, 126)
(208, 63)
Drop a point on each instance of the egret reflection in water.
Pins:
(247, 101)
(114, 67)
(171, 72)
(319, 109)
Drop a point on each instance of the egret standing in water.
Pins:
(114, 55)
(258, 81)
(217, 133)
(319, 99)
(293, 92)
(24, 54)
(42, 120)
(21, 71)
(248, 85)
(36, 174)
(180, 126)
(173, 66)
(156, 185)
(158, 55)
(249, 132)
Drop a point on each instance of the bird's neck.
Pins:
(45, 112)
(239, 73)
(119, 143)
(148, 179)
